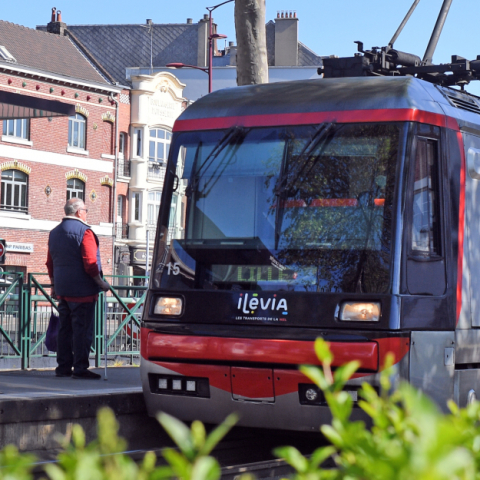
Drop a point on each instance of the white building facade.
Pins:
(156, 102)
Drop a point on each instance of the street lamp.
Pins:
(211, 36)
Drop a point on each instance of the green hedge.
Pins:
(410, 439)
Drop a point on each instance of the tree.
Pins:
(252, 65)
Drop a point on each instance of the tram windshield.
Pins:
(301, 208)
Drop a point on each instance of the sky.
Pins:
(325, 26)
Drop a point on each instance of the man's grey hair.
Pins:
(73, 205)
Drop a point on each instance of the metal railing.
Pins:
(25, 309)
(156, 171)
(123, 167)
(122, 231)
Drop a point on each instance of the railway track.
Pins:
(243, 450)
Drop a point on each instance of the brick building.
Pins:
(158, 95)
(46, 160)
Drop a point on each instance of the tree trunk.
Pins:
(252, 63)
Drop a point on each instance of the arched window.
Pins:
(14, 191)
(122, 145)
(75, 188)
(76, 131)
(159, 145)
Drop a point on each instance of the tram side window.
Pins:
(425, 215)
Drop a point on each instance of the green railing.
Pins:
(26, 306)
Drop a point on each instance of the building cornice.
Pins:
(28, 72)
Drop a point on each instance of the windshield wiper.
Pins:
(320, 134)
(231, 134)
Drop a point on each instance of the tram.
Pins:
(342, 207)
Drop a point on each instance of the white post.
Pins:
(147, 260)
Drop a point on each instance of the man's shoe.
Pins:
(63, 374)
(87, 375)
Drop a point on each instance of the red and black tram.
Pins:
(341, 208)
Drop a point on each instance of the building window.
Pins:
(14, 191)
(138, 142)
(75, 188)
(159, 145)
(153, 206)
(17, 128)
(76, 131)
(122, 229)
(136, 206)
(122, 142)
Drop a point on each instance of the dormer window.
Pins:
(6, 55)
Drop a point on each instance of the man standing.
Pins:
(74, 268)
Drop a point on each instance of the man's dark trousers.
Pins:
(74, 335)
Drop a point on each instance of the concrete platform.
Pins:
(36, 406)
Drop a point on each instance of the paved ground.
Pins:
(36, 406)
(43, 383)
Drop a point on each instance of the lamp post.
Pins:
(211, 36)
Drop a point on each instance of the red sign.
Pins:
(2, 249)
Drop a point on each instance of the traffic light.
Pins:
(3, 247)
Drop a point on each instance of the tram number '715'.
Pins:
(175, 269)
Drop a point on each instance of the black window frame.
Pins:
(12, 206)
(430, 138)
(72, 191)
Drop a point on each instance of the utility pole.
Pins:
(252, 62)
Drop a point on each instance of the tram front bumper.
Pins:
(278, 397)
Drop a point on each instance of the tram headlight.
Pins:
(359, 312)
(168, 306)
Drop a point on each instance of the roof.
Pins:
(317, 95)
(46, 52)
(117, 47)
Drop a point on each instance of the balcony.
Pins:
(156, 171)
(122, 232)
(123, 167)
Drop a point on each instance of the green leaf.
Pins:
(316, 375)
(216, 435)
(161, 473)
(345, 372)
(179, 433)
(206, 468)
(320, 455)
(332, 435)
(198, 434)
(179, 464)
(340, 405)
(78, 436)
(293, 457)
(323, 351)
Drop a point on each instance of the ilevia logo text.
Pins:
(250, 305)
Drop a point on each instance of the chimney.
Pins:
(56, 26)
(232, 51)
(286, 39)
(189, 21)
(202, 45)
